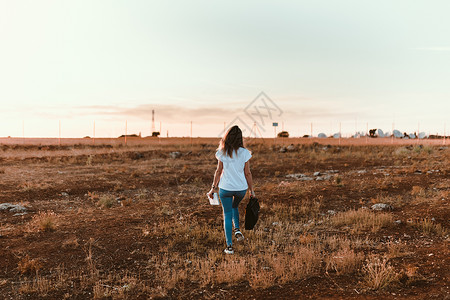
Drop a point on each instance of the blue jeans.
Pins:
(230, 201)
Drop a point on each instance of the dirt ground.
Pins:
(115, 221)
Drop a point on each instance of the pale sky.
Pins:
(349, 62)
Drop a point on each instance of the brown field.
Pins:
(115, 221)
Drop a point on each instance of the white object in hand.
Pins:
(214, 200)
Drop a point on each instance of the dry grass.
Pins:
(172, 242)
(345, 261)
(378, 273)
(396, 250)
(44, 221)
(29, 266)
(363, 219)
(106, 201)
(429, 227)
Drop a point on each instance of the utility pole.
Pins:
(126, 130)
(153, 122)
(59, 138)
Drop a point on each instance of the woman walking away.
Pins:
(233, 178)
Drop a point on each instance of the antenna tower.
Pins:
(153, 120)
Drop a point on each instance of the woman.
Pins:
(233, 172)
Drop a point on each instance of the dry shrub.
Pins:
(363, 219)
(106, 201)
(44, 221)
(345, 261)
(427, 226)
(378, 273)
(29, 266)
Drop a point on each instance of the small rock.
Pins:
(64, 194)
(398, 222)
(20, 214)
(275, 223)
(382, 206)
(361, 172)
(291, 147)
(305, 178)
(331, 212)
(12, 207)
(175, 154)
(316, 173)
(283, 150)
(417, 172)
(296, 175)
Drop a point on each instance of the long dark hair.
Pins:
(231, 141)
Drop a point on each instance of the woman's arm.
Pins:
(216, 180)
(248, 176)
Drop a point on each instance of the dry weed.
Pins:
(106, 201)
(427, 226)
(396, 250)
(44, 221)
(29, 266)
(378, 273)
(363, 219)
(39, 285)
(345, 261)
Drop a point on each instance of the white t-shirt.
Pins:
(233, 178)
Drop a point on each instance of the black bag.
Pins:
(251, 213)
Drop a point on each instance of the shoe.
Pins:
(229, 250)
(239, 236)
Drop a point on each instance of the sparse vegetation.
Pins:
(44, 221)
(363, 219)
(165, 241)
(106, 201)
(378, 273)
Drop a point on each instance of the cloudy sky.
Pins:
(353, 63)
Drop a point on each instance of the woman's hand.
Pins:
(252, 193)
(211, 193)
